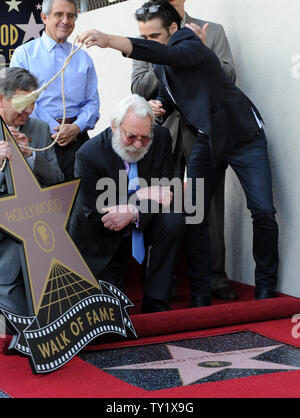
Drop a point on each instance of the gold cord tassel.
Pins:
(20, 103)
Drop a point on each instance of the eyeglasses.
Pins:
(151, 9)
(61, 15)
(131, 138)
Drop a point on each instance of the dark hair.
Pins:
(165, 11)
(16, 78)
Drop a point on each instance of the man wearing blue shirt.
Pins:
(44, 57)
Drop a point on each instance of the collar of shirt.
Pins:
(127, 166)
(183, 22)
(50, 43)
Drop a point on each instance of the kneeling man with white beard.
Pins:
(115, 215)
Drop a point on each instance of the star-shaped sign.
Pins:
(32, 29)
(37, 217)
(194, 365)
(13, 5)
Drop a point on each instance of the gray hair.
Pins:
(16, 79)
(134, 102)
(48, 5)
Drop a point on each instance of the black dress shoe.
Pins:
(264, 294)
(225, 293)
(200, 301)
(151, 305)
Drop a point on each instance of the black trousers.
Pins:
(66, 155)
(164, 234)
(251, 165)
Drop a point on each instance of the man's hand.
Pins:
(5, 151)
(157, 108)
(103, 40)
(94, 38)
(21, 139)
(68, 134)
(198, 31)
(161, 194)
(118, 217)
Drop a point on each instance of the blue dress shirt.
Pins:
(44, 57)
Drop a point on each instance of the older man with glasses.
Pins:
(44, 57)
(115, 219)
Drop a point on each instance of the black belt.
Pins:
(67, 120)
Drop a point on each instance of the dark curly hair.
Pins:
(165, 11)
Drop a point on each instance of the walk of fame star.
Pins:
(38, 218)
(194, 365)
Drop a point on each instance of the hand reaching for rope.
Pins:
(68, 134)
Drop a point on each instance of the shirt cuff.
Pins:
(81, 125)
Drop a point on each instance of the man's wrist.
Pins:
(134, 213)
(77, 128)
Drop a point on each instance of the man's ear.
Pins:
(113, 126)
(173, 28)
(44, 18)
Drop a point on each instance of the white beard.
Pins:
(128, 153)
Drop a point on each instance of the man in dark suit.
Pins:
(228, 128)
(145, 83)
(28, 132)
(105, 230)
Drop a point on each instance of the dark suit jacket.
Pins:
(193, 81)
(46, 167)
(145, 83)
(97, 160)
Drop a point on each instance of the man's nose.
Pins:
(138, 143)
(29, 109)
(65, 19)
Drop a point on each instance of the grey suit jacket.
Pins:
(47, 171)
(46, 167)
(145, 83)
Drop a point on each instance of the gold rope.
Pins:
(21, 102)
